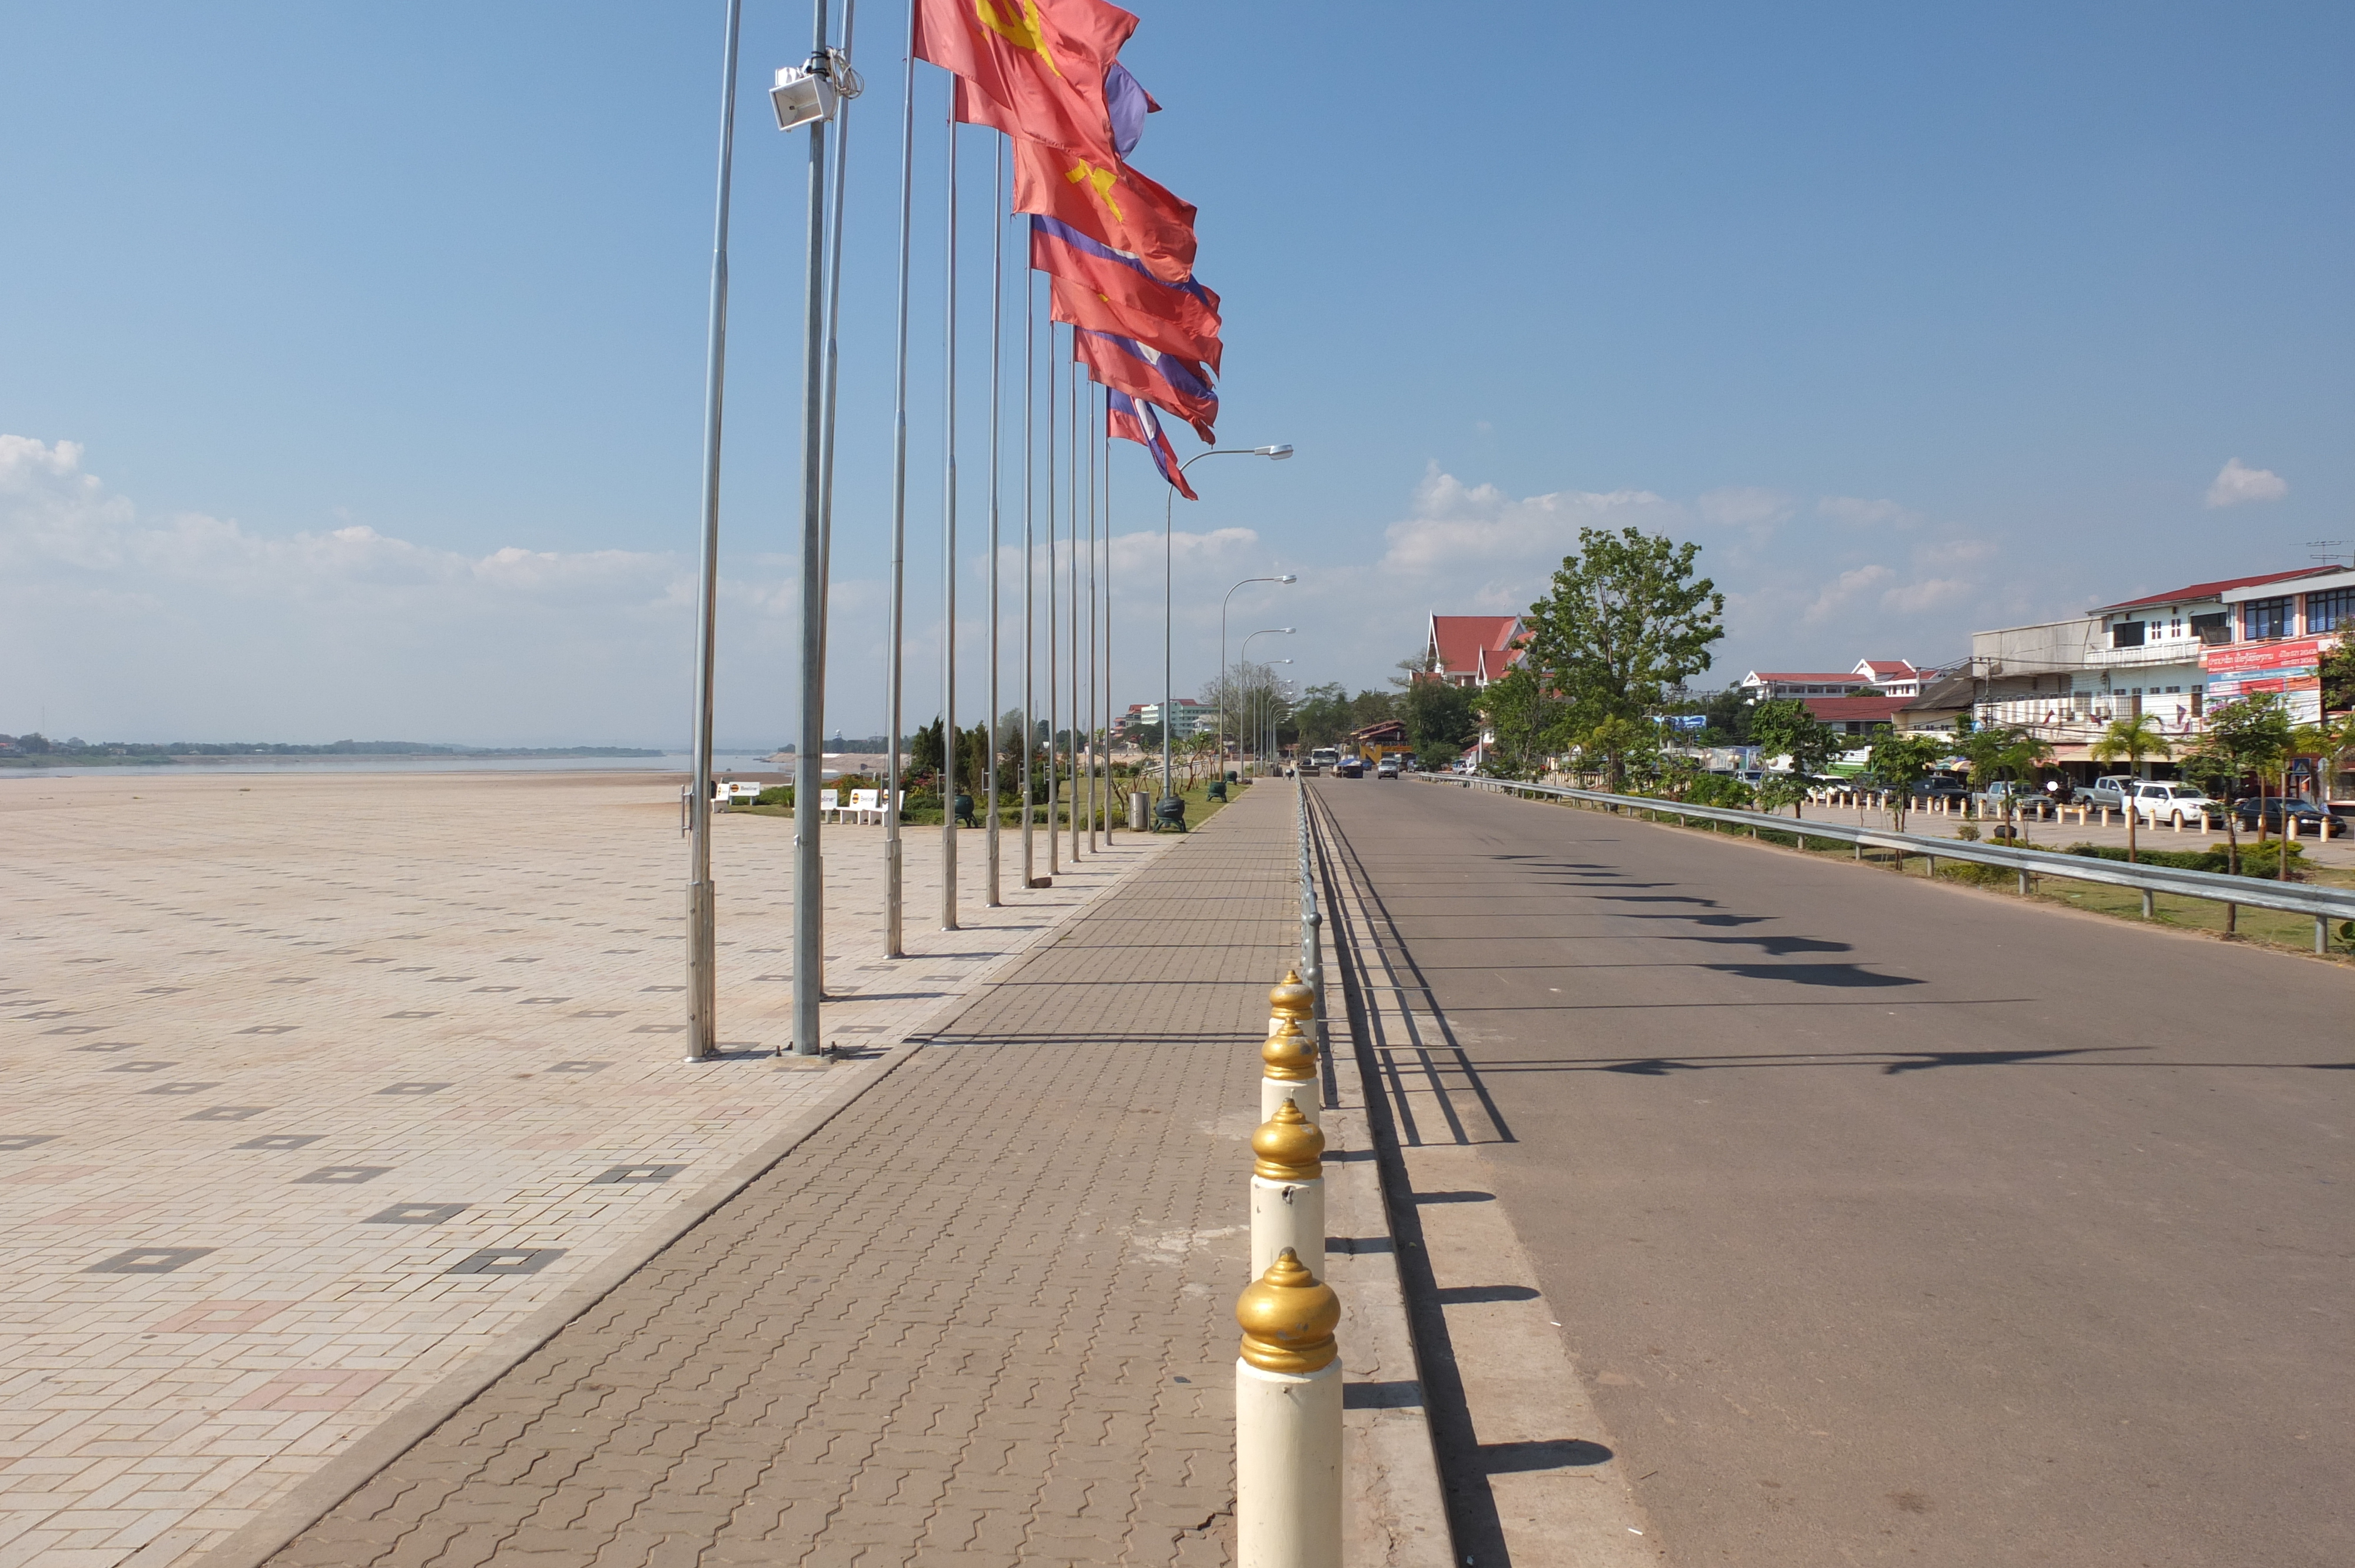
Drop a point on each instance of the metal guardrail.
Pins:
(1311, 921)
(2324, 904)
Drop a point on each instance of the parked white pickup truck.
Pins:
(2177, 805)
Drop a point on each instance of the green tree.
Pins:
(1902, 761)
(1627, 621)
(2338, 672)
(1439, 717)
(1624, 745)
(2249, 736)
(1518, 712)
(2129, 740)
(1787, 729)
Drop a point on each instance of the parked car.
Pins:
(1948, 790)
(2312, 820)
(1387, 768)
(2110, 790)
(2176, 804)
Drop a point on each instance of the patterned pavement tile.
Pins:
(225, 1003)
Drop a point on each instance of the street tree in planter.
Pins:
(1903, 761)
(2129, 740)
(1626, 620)
(1786, 728)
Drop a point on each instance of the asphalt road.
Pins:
(1899, 1223)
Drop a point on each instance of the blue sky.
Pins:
(350, 372)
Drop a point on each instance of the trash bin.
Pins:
(1140, 811)
(1171, 813)
(964, 812)
(1218, 790)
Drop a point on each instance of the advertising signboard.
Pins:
(2291, 667)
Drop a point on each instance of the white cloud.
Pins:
(1866, 513)
(192, 625)
(1844, 589)
(1744, 506)
(2235, 484)
(1453, 523)
(1928, 594)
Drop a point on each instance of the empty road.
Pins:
(1884, 1222)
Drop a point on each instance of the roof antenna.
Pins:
(2327, 552)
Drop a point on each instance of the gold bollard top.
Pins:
(1293, 998)
(1288, 1147)
(1288, 1316)
(1290, 1055)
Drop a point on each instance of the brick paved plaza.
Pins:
(319, 1084)
(985, 1316)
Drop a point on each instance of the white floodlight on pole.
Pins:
(1286, 578)
(809, 96)
(801, 96)
(1279, 451)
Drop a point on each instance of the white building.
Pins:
(1192, 717)
(1889, 677)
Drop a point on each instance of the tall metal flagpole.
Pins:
(894, 856)
(996, 311)
(1103, 426)
(1029, 635)
(948, 559)
(1072, 564)
(1094, 794)
(1054, 775)
(701, 937)
(834, 328)
(809, 761)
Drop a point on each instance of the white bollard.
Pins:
(1289, 1074)
(1288, 1191)
(1288, 1421)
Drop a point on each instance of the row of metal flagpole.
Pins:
(1117, 251)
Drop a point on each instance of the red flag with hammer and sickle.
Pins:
(1032, 69)
(1110, 202)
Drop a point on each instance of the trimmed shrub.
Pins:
(2256, 859)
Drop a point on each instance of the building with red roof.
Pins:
(1472, 650)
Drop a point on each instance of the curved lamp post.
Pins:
(1286, 578)
(1279, 451)
(1241, 657)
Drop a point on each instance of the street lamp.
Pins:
(1241, 657)
(1279, 451)
(1286, 578)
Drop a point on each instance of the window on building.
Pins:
(2326, 612)
(2175, 626)
(2212, 629)
(2199, 695)
(2265, 618)
(2128, 633)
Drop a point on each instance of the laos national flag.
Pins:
(1129, 293)
(1149, 376)
(1131, 421)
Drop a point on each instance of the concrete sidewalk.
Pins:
(982, 1314)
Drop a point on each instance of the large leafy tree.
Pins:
(1626, 622)
(1441, 719)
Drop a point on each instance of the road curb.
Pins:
(1394, 1503)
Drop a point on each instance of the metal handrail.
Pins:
(2255, 893)
(1312, 943)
